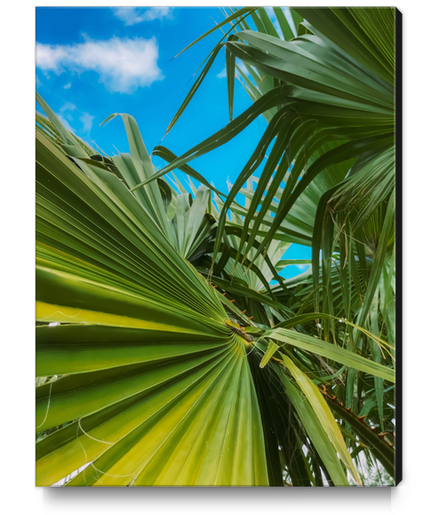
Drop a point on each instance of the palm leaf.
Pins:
(142, 331)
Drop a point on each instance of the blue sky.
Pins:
(92, 62)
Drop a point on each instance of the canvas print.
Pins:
(217, 253)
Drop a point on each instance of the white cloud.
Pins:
(303, 267)
(68, 113)
(66, 109)
(87, 122)
(134, 15)
(67, 86)
(241, 66)
(65, 123)
(123, 65)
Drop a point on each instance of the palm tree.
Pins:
(170, 350)
(328, 182)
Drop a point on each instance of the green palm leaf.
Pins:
(147, 362)
(147, 359)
